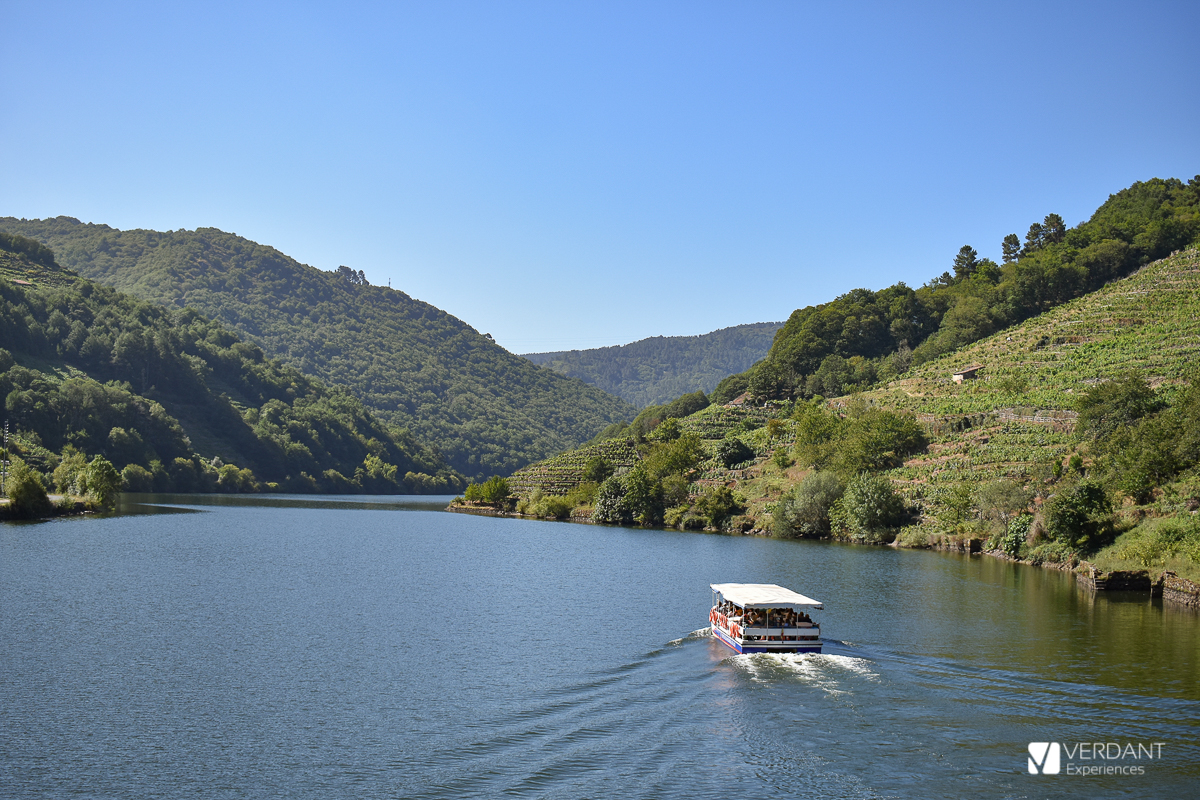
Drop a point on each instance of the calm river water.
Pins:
(321, 648)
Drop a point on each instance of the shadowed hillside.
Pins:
(662, 368)
(486, 410)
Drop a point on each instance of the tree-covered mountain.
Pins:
(486, 410)
(863, 336)
(177, 401)
(661, 368)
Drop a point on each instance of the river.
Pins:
(263, 647)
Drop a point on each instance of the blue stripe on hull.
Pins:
(730, 642)
(725, 638)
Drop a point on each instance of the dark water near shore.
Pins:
(375, 647)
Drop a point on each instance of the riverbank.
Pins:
(60, 506)
(1165, 583)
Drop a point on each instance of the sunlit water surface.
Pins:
(376, 647)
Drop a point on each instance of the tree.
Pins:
(1119, 403)
(1080, 517)
(1054, 230)
(869, 509)
(876, 439)
(1011, 247)
(101, 482)
(1001, 500)
(26, 494)
(767, 381)
(965, 262)
(495, 490)
(610, 502)
(1033, 239)
(643, 496)
(667, 431)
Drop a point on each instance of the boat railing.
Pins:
(803, 631)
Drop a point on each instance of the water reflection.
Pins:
(134, 503)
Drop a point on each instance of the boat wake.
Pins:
(825, 671)
(699, 633)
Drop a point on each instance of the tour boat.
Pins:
(764, 618)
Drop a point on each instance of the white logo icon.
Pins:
(1043, 758)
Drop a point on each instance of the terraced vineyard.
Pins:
(562, 473)
(1149, 321)
(1017, 418)
(23, 273)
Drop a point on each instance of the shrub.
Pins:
(26, 493)
(719, 505)
(732, 450)
(869, 509)
(1156, 542)
(1013, 541)
(583, 494)
(804, 509)
(781, 459)
(554, 507)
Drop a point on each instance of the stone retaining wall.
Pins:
(1179, 590)
(1168, 585)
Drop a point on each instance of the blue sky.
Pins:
(579, 174)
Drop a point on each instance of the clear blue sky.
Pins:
(577, 174)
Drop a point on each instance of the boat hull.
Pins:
(739, 646)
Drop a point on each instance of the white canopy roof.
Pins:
(763, 595)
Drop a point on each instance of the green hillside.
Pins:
(486, 410)
(176, 401)
(1019, 416)
(1078, 437)
(662, 368)
(864, 336)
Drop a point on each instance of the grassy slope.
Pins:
(487, 411)
(661, 368)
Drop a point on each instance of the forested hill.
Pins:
(662, 368)
(865, 336)
(486, 410)
(175, 401)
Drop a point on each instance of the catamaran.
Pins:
(764, 618)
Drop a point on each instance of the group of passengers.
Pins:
(777, 617)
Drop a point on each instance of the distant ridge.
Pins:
(661, 368)
(484, 409)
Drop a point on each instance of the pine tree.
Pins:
(965, 262)
(1011, 247)
(1034, 239)
(1054, 230)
